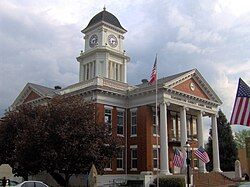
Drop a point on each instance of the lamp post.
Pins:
(187, 147)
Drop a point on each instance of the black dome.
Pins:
(107, 17)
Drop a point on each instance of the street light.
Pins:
(187, 147)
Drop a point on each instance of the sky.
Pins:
(40, 40)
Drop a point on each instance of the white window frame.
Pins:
(133, 113)
(195, 129)
(155, 126)
(121, 159)
(133, 158)
(119, 125)
(155, 158)
(108, 114)
(110, 166)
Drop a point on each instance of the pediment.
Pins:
(190, 86)
(31, 96)
(33, 92)
(192, 83)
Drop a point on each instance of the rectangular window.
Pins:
(155, 130)
(108, 119)
(189, 126)
(134, 159)
(174, 128)
(119, 160)
(155, 157)
(87, 72)
(194, 121)
(179, 128)
(133, 123)
(117, 72)
(120, 122)
(109, 166)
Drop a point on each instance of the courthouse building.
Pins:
(184, 99)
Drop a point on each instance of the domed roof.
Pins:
(106, 17)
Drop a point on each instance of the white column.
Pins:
(183, 134)
(183, 128)
(164, 140)
(216, 158)
(202, 166)
(125, 71)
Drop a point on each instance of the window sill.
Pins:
(133, 135)
(107, 169)
(156, 135)
(120, 135)
(119, 169)
(133, 169)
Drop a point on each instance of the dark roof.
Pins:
(44, 90)
(106, 17)
(166, 79)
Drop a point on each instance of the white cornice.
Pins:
(103, 23)
(102, 49)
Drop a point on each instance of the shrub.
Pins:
(171, 182)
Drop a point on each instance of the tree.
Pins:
(240, 138)
(60, 137)
(227, 146)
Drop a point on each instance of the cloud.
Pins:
(180, 47)
(41, 39)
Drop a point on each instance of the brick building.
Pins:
(184, 99)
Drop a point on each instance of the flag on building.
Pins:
(241, 110)
(153, 76)
(178, 160)
(202, 154)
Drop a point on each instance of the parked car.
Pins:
(32, 184)
(9, 183)
(244, 184)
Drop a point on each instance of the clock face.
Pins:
(192, 86)
(112, 40)
(93, 40)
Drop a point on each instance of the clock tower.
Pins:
(104, 55)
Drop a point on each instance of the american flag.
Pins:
(202, 154)
(178, 158)
(241, 110)
(153, 75)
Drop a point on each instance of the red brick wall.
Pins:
(185, 87)
(31, 96)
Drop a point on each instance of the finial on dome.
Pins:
(104, 8)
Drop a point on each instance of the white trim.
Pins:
(133, 135)
(133, 146)
(108, 107)
(119, 169)
(120, 109)
(155, 146)
(133, 169)
(107, 169)
(133, 109)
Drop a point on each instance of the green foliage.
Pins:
(171, 182)
(227, 146)
(62, 136)
(240, 138)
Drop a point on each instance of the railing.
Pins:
(97, 81)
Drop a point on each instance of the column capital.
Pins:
(166, 102)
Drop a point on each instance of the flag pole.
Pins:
(157, 124)
(153, 79)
